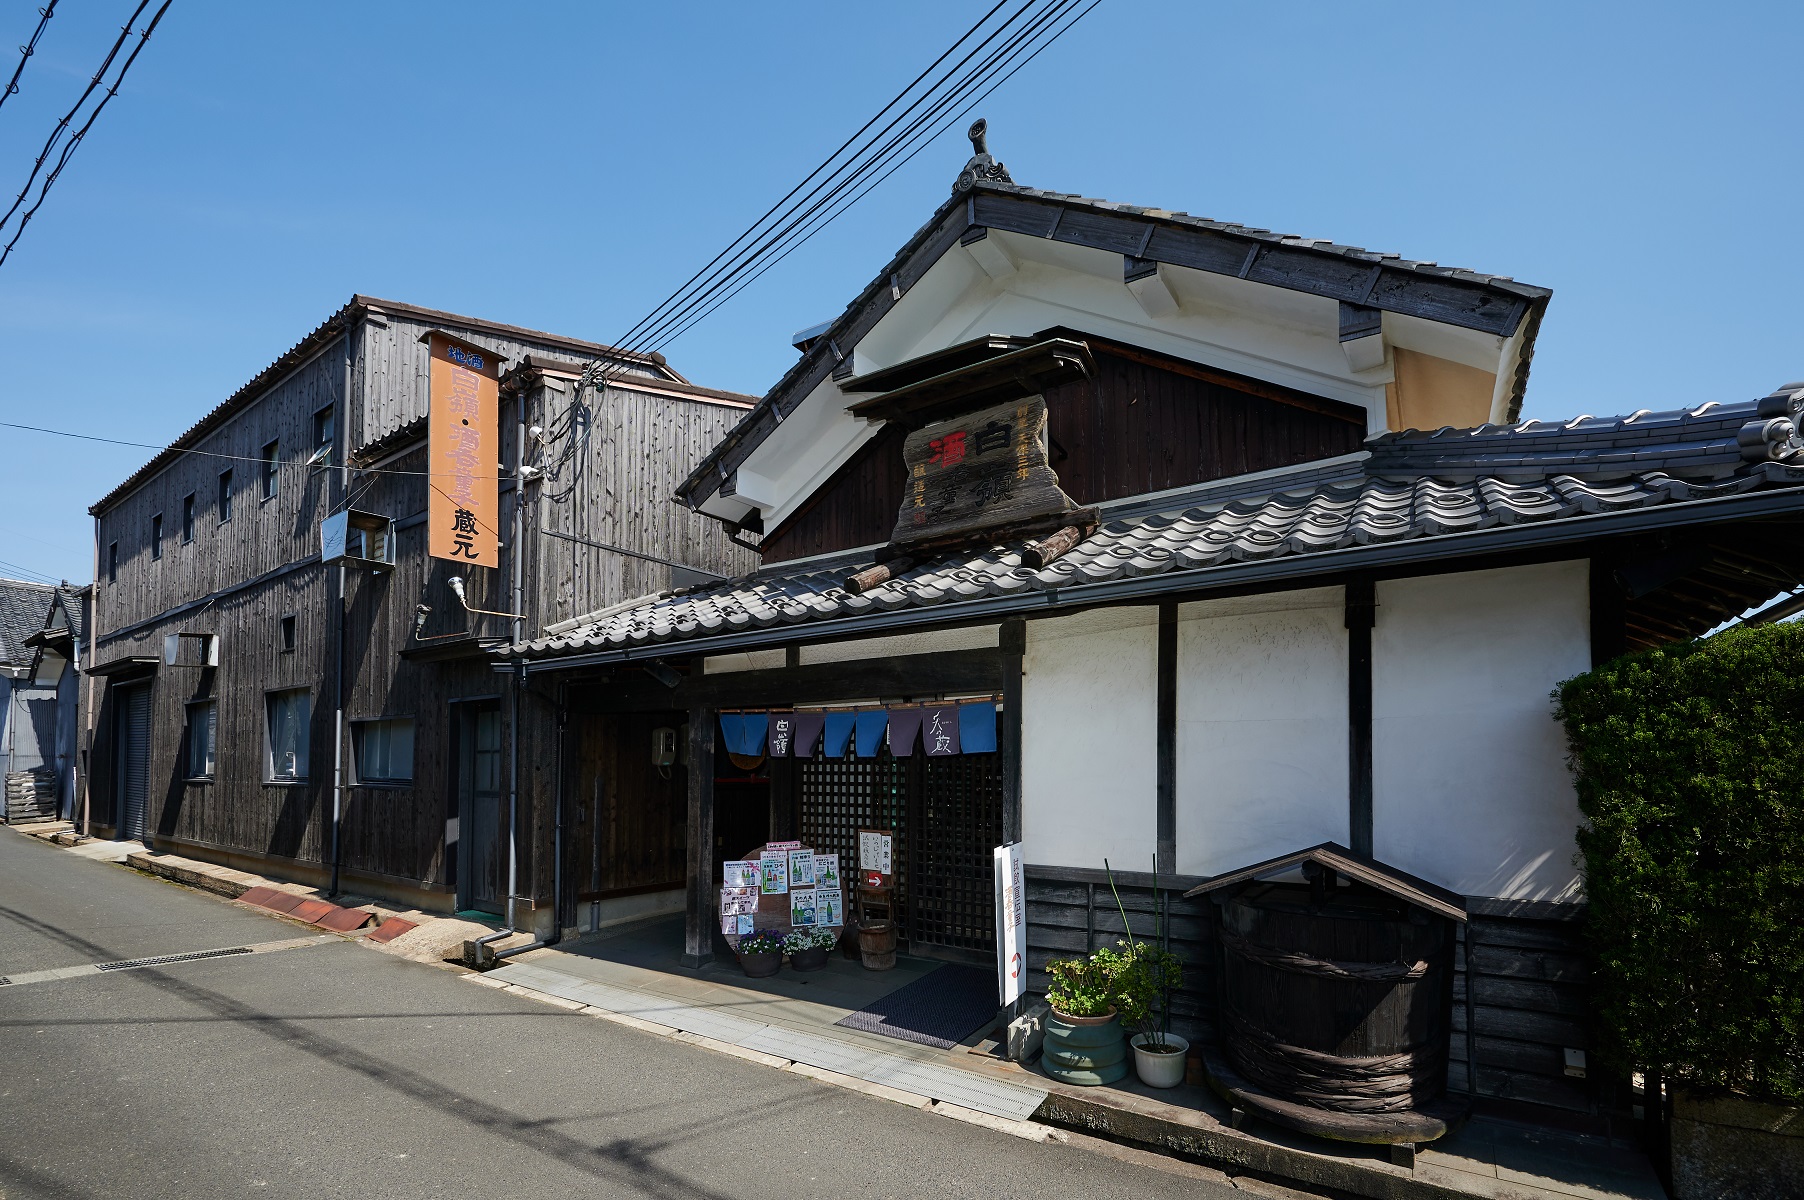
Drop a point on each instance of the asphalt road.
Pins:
(333, 1070)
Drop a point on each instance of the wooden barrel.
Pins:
(1339, 1000)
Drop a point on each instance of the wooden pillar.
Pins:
(698, 929)
(782, 773)
(1166, 850)
(1609, 609)
(1013, 642)
(1361, 615)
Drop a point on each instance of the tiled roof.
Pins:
(23, 607)
(1410, 486)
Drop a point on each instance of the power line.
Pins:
(73, 142)
(62, 125)
(28, 49)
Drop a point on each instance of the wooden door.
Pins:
(131, 775)
(482, 839)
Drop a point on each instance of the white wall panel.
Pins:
(1470, 783)
(1089, 739)
(1262, 728)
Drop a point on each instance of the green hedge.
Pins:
(1689, 762)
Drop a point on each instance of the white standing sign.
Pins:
(1011, 924)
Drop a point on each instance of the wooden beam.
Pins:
(1361, 606)
(1166, 852)
(699, 924)
(1013, 646)
(900, 677)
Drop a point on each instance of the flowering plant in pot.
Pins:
(808, 947)
(761, 952)
(1083, 1031)
(1143, 990)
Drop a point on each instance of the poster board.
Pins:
(876, 858)
(1011, 924)
(463, 452)
(744, 903)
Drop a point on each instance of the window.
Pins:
(156, 536)
(285, 633)
(225, 496)
(269, 470)
(288, 714)
(203, 734)
(382, 751)
(112, 562)
(323, 430)
(188, 518)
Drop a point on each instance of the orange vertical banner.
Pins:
(463, 453)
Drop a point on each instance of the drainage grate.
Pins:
(129, 963)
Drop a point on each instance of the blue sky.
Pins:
(265, 161)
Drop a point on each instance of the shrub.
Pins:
(762, 941)
(1085, 987)
(1689, 763)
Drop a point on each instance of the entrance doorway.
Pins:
(131, 767)
(481, 872)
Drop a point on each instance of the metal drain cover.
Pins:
(129, 963)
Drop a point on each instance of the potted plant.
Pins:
(808, 947)
(1083, 1031)
(761, 952)
(1143, 990)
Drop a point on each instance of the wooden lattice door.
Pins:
(955, 827)
(836, 797)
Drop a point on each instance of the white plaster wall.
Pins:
(1089, 739)
(1262, 728)
(745, 660)
(931, 641)
(1470, 783)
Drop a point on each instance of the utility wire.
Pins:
(28, 49)
(73, 142)
(62, 125)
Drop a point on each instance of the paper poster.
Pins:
(826, 871)
(729, 922)
(782, 845)
(801, 868)
(739, 875)
(738, 900)
(874, 851)
(773, 868)
(745, 923)
(829, 907)
(801, 907)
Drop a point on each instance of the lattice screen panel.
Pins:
(957, 825)
(839, 796)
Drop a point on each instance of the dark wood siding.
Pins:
(1145, 423)
(628, 817)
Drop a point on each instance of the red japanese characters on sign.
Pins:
(979, 471)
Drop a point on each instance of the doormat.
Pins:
(941, 1009)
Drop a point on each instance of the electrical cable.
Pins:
(69, 147)
(28, 49)
(57, 133)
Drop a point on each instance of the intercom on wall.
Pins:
(663, 747)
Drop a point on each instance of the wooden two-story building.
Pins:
(338, 720)
(1223, 545)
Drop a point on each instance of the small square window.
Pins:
(225, 496)
(156, 536)
(188, 517)
(271, 463)
(203, 735)
(382, 751)
(287, 715)
(285, 633)
(112, 562)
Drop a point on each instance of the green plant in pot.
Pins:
(1143, 989)
(761, 952)
(808, 947)
(1083, 1032)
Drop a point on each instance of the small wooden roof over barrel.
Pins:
(1360, 868)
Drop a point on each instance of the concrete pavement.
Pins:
(330, 1070)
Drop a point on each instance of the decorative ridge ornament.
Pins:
(982, 165)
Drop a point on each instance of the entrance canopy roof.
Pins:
(1690, 480)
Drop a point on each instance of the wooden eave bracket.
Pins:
(1023, 372)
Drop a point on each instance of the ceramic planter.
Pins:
(1156, 1069)
(812, 959)
(1085, 1050)
(761, 966)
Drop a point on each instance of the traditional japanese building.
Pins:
(1213, 545)
(291, 682)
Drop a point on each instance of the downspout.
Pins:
(341, 438)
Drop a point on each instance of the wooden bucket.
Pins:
(1340, 1002)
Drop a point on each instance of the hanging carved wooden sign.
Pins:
(982, 470)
